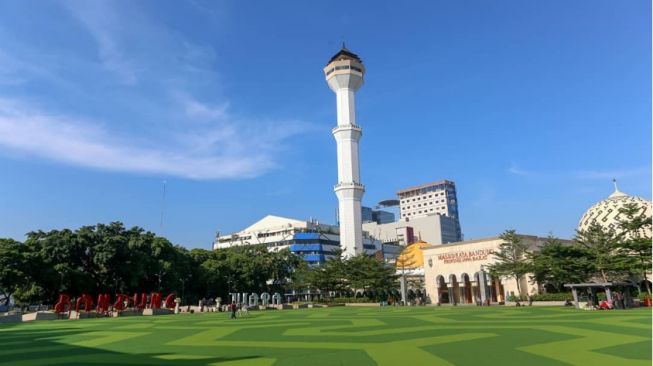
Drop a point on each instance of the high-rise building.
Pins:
(379, 216)
(344, 74)
(432, 198)
(437, 198)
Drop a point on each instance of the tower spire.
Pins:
(614, 181)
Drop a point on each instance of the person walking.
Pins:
(232, 309)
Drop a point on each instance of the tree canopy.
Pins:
(113, 259)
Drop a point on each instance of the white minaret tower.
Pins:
(344, 73)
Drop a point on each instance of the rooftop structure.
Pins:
(314, 241)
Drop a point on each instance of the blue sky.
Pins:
(530, 107)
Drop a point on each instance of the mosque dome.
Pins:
(606, 212)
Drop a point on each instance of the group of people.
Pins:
(618, 302)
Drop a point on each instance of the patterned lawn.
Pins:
(340, 336)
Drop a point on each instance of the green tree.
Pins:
(603, 248)
(512, 258)
(329, 277)
(12, 268)
(301, 277)
(556, 263)
(635, 240)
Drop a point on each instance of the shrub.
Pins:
(342, 300)
(553, 296)
(514, 298)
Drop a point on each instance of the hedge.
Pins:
(553, 296)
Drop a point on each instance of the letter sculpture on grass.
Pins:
(63, 305)
(170, 301)
(102, 303)
(119, 305)
(155, 301)
(265, 298)
(87, 300)
(253, 300)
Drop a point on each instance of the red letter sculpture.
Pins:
(63, 305)
(170, 301)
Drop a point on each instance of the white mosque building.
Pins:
(606, 212)
(454, 273)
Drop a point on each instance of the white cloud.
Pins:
(104, 25)
(515, 170)
(201, 111)
(218, 152)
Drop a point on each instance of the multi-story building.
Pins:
(379, 216)
(432, 198)
(428, 212)
(314, 241)
(437, 198)
(434, 229)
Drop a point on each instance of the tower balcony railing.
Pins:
(348, 126)
(349, 185)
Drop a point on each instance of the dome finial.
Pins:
(617, 192)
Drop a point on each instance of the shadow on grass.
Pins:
(39, 347)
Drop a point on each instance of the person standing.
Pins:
(232, 309)
(620, 300)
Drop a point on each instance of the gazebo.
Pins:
(592, 287)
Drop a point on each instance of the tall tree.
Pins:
(556, 263)
(603, 248)
(512, 258)
(12, 268)
(635, 240)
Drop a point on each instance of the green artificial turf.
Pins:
(340, 336)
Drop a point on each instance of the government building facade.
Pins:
(456, 273)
